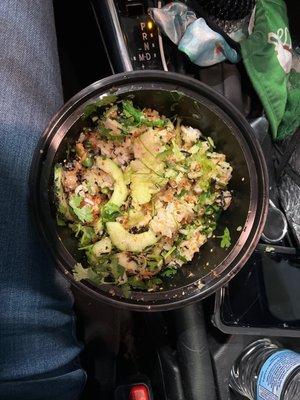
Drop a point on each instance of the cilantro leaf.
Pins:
(153, 283)
(126, 290)
(106, 133)
(110, 212)
(139, 117)
(116, 269)
(169, 272)
(226, 239)
(136, 283)
(130, 111)
(84, 213)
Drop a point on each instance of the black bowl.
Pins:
(200, 107)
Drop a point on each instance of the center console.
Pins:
(131, 37)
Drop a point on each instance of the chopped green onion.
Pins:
(88, 162)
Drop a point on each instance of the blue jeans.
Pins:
(38, 347)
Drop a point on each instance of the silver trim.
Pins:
(120, 39)
(285, 225)
(161, 45)
(102, 38)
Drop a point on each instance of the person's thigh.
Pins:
(38, 348)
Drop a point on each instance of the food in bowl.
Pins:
(141, 192)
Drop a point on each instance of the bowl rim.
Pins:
(194, 291)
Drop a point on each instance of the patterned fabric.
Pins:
(193, 36)
(273, 66)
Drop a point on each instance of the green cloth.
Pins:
(267, 55)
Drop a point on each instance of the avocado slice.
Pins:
(126, 241)
(61, 197)
(143, 182)
(141, 186)
(146, 147)
(120, 189)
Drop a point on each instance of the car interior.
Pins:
(185, 353)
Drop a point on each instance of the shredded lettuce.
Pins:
(63, 208)
(85, 233)
(85, 213)
(81, 273)
(172, 249)
(176, 151)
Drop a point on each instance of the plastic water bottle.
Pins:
(265, 371)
